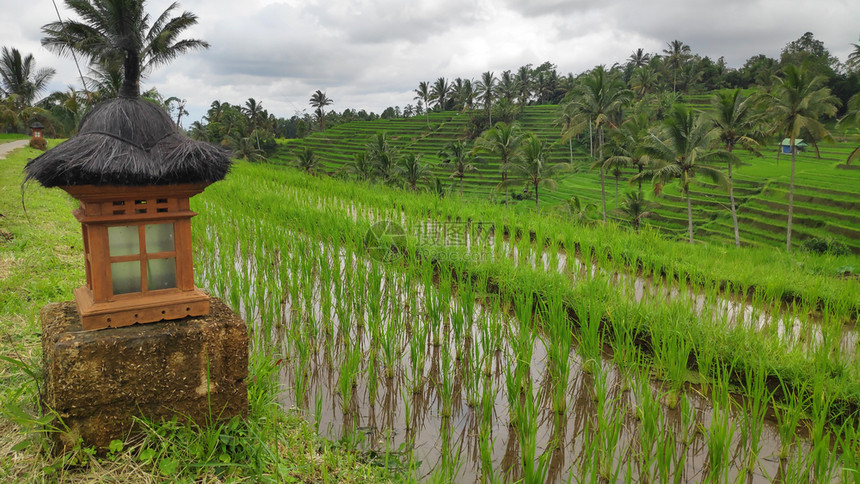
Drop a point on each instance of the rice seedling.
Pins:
(590, 341)
(648, 412)
(719, 433)
(610, 414)
(789, 414)
(557, 326)
(533, 468)
(350, 369)
(672, 352)
(445, 384)
(759, 396)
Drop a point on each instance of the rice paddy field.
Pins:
(469, 343)
(825, 189)
(442, 341)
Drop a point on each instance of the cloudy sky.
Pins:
(369, 54)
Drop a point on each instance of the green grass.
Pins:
(5, 137)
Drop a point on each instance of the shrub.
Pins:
(39, 144)
(821, 245)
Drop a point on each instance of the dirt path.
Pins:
(5, 148)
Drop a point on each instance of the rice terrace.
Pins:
(639, 273)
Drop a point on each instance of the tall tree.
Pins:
(598, 98)
(630, 143)
(635, 207)
(307, 160)
(382, 156)
(685, 143)
(507, 88)
(639, 58)
(853, 116)
(423, 94)
(737, 123)
(412, 170)
(120, 31)
(486, 90)
(502, 140)
(798, 102)
(439, 93)
(533, 166)
(460, 158)
(20, 78)
(319, 101)
(853, 61)
(524, 84)
(676, 54)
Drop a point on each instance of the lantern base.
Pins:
(98, 383)
(128, 310)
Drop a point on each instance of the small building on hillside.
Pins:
(785, 146)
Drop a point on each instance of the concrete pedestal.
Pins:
(97, 381)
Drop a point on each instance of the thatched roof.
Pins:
(129, 141)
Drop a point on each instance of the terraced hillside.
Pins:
(826, 201)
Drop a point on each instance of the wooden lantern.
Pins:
(37, 129)
(137, 246)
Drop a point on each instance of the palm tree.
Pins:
(19, 77)
(853, 116)
(361, 166)
(461, 159)
(486, 89)
(853, 62)
(507, 87)
(533, 166)
(629, 143)
(319, 101)
(423, 94)
(685, 143)
(105, 79)
(439, 93)
(306, 160)
(598, 97)
(639, 58)
(635, 207)
(736, 121)
(382, 156)
(120, 31)
(644, 81)
(412, 170)
(676, 55)
(577, 210)
(798, 102)
(524, 84)
(502, 140)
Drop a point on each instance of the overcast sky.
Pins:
(372, 54)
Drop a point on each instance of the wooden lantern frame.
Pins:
(103, 207)
(37, 130)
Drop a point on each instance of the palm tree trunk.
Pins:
(537, 206)
(570, 147)
(602, 178)
(461, 186)
(616, 192)
(504, 180)
(790, 199)
(689, 214)
(732, 204)
(639, 165)
(603, 191)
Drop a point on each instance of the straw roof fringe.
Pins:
(129, 141)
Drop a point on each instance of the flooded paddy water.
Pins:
(429, 372)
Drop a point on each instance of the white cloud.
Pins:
(369, 54)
